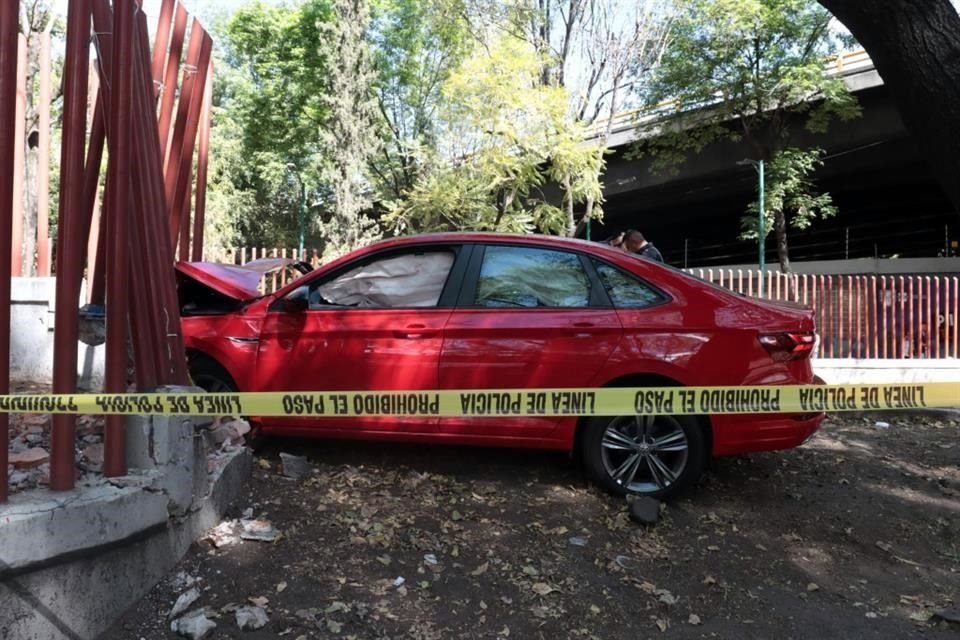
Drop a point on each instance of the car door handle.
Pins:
(414, 331)
(582, 325)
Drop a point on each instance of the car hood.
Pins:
(239, 282)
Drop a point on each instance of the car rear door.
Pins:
(527, 317)
(374, 324)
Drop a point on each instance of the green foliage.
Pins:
(417, 44)
(510, 134)
(349, 134)
(750, 70)
(269, 109)
(745, 69)
(791, 194)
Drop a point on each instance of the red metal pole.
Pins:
(162, 40)
(183, 245)
(69, 251)
(43, 161)
(103, 27)
(9, 44)
(171, 355)
(19, 158)
(185, 132)
(936, 317)
(203, 153)
(169, 92)
(118, 257)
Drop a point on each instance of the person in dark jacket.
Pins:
(633, 241)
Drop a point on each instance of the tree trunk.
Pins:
(915, 46)
(783, 253)
(568, 201)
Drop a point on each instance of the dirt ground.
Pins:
(854, 535)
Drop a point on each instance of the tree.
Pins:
(416, 45)
(350, 133)
(505, 134)
(750, 70)
(269, 110)
(915, 46)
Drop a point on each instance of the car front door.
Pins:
(374, 324)
(527, 317)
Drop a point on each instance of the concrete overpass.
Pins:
(889, 202)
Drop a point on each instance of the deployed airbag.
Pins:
(412, 280)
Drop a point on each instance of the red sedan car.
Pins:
(478, 311)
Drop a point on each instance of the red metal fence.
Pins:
(865, 316)
(146, 198)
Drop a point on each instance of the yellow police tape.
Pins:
(506, 402)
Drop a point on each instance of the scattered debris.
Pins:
(882, 425)
(430, 559)
(228, 432)
(223, 534)
(195, 625)
(295, 467)
(184, 602)
(813, 586)
(694, 619)
(251, 618)
(259, 530)
(281, 587)
(398, 581)
(578, 541)
(645, 510)
(259, 601)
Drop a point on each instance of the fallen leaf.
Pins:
(662, 624)
(264, 464)
(709, 580)
(281, 587)
(336, 607)
(457, 516)
(594, 609)
(693, 619)
(482, 569)
(813, 586)
(648, 587)
(260, 601)
(333, 626)
(385, 560)
(542, 588)
(530, 571)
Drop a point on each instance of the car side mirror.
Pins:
(297, 301)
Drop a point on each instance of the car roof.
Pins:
(490, 236)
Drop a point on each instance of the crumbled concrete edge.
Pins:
(42, 529)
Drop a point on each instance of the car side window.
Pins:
(625, 290)
(404, 280)
(529, 277)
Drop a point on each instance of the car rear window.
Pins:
(626, 291)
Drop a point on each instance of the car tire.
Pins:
(212, 378)
(655, 456)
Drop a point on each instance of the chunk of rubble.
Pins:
(223, 534)
(229, 431)
(29, 458)
(259, 530)
(251, 618)
(293, 466)
(184, 602)
(195, 625)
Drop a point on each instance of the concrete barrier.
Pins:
(72, 562)
(32, 310)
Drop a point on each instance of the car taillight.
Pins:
(788, 346)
